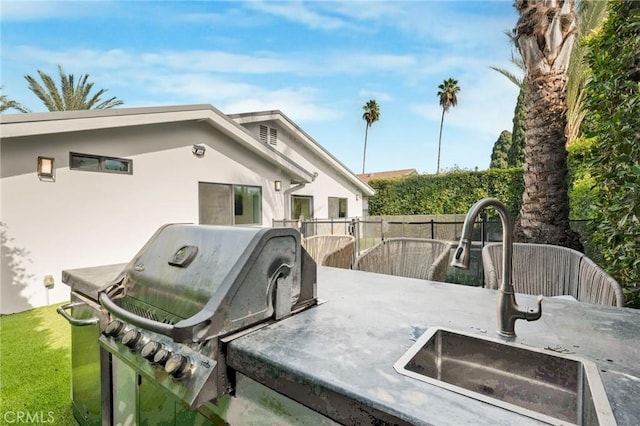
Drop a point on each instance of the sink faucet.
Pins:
(508, 309)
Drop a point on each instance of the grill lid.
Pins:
(194, 282)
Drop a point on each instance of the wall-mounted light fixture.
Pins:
(49, 281)
(277, 185)
(46, 168)
(357, 197)
(198, 150)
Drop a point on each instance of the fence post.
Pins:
(353, 231)
(433, 234)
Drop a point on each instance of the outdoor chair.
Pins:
(331, 250)
(552, 271)
(407, 257)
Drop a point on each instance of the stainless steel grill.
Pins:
(193, 288)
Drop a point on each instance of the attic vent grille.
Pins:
(273, 136)
(268, 135)
(263, 133)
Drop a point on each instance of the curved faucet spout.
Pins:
(508, 309)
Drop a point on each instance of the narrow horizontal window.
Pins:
(100, 163)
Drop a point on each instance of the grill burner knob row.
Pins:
(177, 365)
(114, 328)
(131, 338)
(150, 349)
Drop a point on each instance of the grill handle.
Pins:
(147, 324)
(62, 310)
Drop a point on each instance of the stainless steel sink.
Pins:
(548, 386)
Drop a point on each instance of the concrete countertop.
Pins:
(338, 357)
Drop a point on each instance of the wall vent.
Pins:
(273, 136)
(268, 135)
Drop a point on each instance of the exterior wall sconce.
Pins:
(198, 150)
(357, 197)
(277, 185)
(46, 168)
(49, 281)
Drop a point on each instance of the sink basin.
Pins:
(541, 384)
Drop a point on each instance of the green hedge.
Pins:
(453, 192)
(612, 101)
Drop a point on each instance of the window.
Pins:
(247, 208)
(215, 204)
(337, 207)
(302, 206)
(223, 204)
(100, 163)
(268, 135)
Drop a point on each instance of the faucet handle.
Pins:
(533, 314)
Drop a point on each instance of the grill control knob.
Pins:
(150, 350)
(114, 328)
(177, 365)
(131, 338)
(161, 356)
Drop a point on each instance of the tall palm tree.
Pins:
(69, 96)
(7, 103)
(591, 13)
(370, 116)
(545, 34)
(448, 94)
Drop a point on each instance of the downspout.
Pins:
(287, 199)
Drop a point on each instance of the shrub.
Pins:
(453, 192)
(613, 105)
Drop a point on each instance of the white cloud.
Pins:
(299, 12)
(373, 94)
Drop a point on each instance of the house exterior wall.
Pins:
(328, 183)
(92, 218)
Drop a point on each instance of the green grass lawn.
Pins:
(35, 367)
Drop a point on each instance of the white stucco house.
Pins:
(87, 188)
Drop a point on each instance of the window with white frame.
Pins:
(301, 207)
(225, 204)
(337, 207)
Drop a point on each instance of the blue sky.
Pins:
(318, 62)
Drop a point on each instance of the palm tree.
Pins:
(448, 98)
(370, 116)
(545, 34)
(591, 13)
(69, 96)
(6, 104)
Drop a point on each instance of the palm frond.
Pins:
(109, 103)
(72, 94)
(6, 104)
(41, 93)
(591, 14)
(517, 80)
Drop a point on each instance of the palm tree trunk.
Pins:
(544, 215)
(440, 142)
(364, 153)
